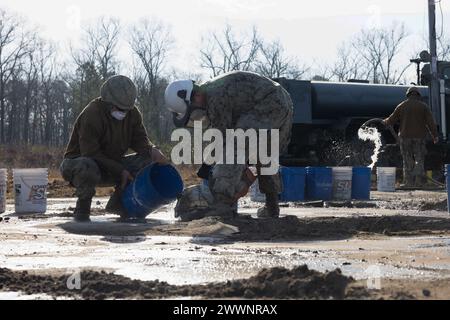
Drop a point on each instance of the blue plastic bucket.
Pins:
(154, 186)
(319, 183)
(293, 179)
(361, 182)
(447, 182)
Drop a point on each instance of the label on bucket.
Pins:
(386, 183)
(342, 190)
(30, 195)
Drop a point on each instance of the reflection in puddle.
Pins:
(124, 239)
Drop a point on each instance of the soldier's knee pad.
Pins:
(81, 171)
(136, 162)
(226, 182)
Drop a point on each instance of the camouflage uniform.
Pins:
(105, 130)
(85, 174)
(415, 121)
(245, 100)
(413, 152)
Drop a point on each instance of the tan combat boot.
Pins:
(82, 210)
(271, 208)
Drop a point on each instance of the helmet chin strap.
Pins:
(182, 122)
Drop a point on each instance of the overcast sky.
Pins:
(311, 30)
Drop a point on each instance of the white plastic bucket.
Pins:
(386, 179)
(342, 183)
(30, 190)
(3, 185)
(255, 194)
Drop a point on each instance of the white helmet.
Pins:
(178, 95)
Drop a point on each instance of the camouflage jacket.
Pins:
(97, 135)
(234, 94)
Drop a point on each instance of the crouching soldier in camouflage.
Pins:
(235, 100)
(415, 121)
(103, 132)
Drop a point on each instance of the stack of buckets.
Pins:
(321, 183)
(30, 190)
(338, 183)
(324, 183)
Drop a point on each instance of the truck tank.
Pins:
(315, 101)
(356, 99)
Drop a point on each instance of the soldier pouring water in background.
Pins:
(416, 120)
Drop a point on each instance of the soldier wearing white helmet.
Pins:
(234, 100)
(181, 97)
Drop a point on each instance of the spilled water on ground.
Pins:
(371, 134)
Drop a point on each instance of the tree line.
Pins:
(41, 93)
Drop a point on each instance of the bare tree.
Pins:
(151, 41)
(349, 64)
(31, 81)
(224, 52)
(46, 64)
(443, 48)
(95, 60)
(379, 48)
(13, 47)
(321, 72)
(99, 46)
(272, 62)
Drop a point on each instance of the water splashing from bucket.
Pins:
(371, 134)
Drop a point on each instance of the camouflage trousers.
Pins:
(84, 173)
(413, 152)
(226, 180)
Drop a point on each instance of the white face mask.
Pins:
(119, 115)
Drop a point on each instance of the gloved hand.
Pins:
(248, 178)
(126, 177)
(159, 157)
(204, 171)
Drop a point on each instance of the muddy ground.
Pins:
(316, 250)
(298, 283)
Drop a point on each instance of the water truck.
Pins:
(328, 115)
